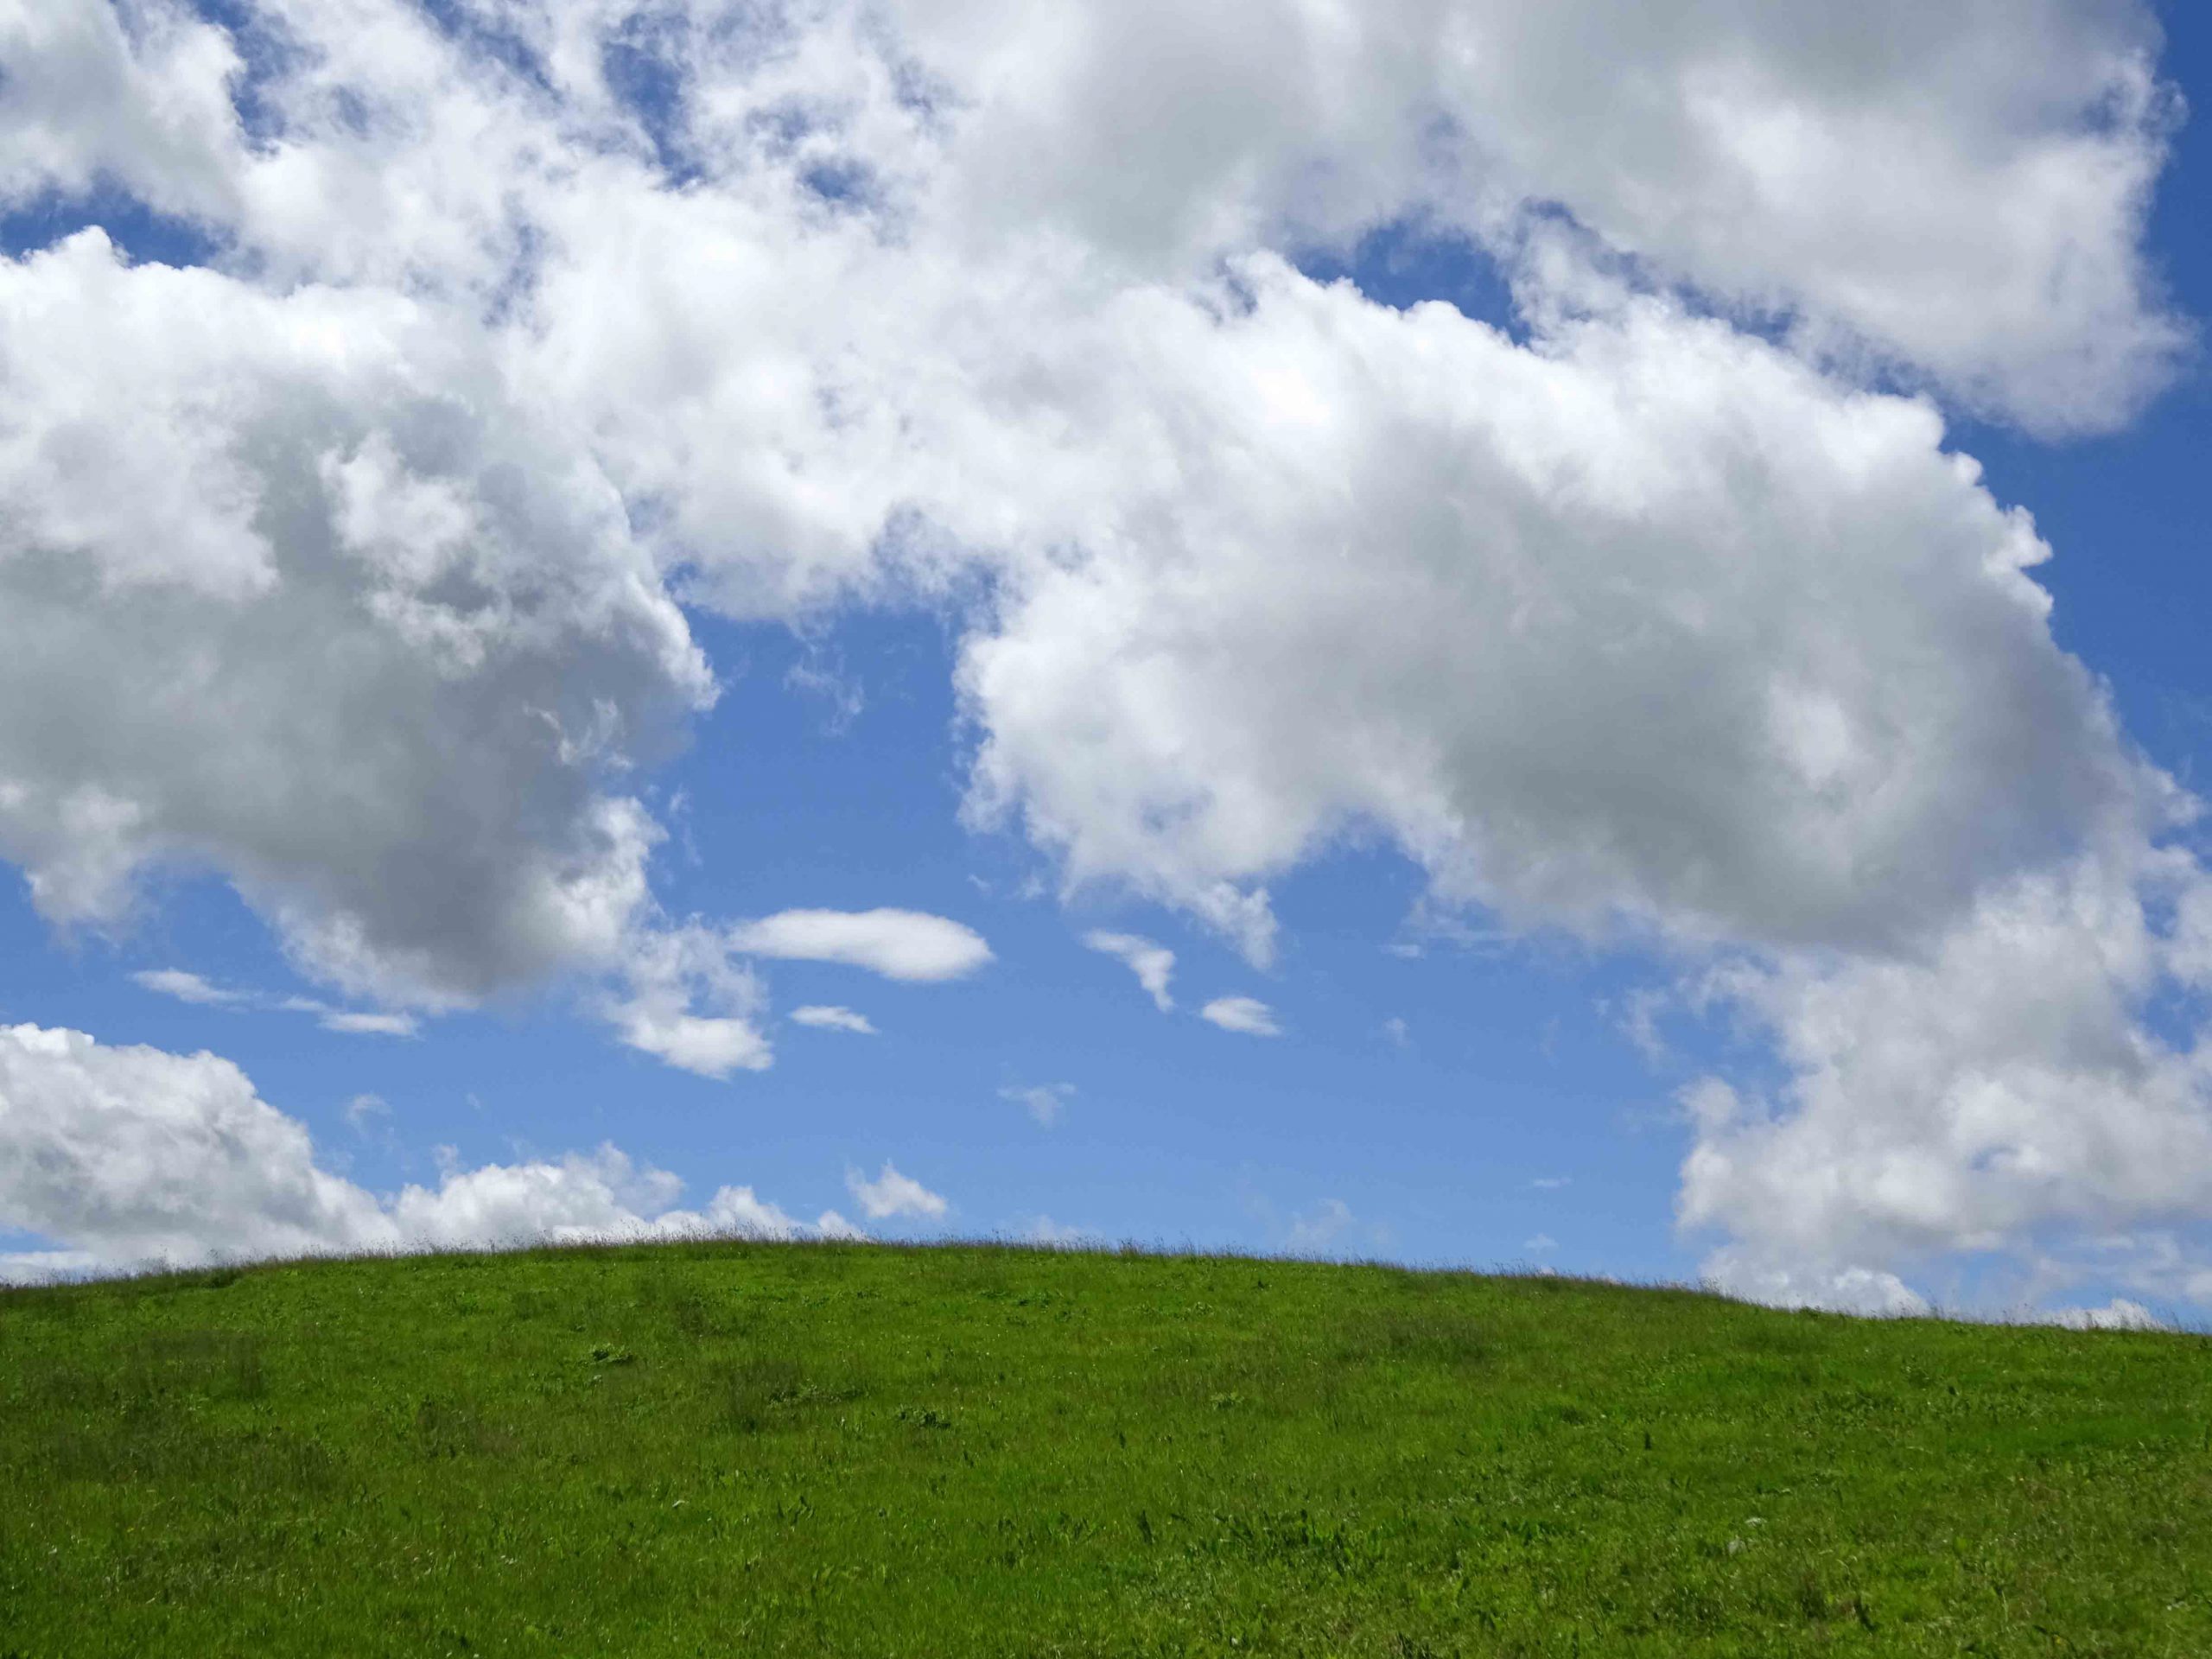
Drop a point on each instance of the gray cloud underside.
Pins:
(347, 570)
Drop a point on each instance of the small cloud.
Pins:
(1246, 1014)
(191, 988)
(1638, 1021)
(832, 1019)
(1043, 1101)
(892, 1194)
(1152, 964)
(2118, 1314)
(705, 1045)
(355, 1023)
(1396, 1030)
(1542, 1244)
(830, 1224)
(188, 988)
(1551, 1183)
(362, 1108)
(1321, 1227)
(842, 693)
(1043, 1230)
(897, 943)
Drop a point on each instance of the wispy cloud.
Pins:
(1152, 964)
(1045, 1102)
(833, 1018)
(1246, 1014)
(188, 987)
(1321, 1227)
(362, 1108)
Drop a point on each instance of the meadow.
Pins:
(747, 1449)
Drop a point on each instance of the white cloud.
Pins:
(347, 571)
(2001, 1087)
(672, 972)
(833, 1018)
(1397, 1031)
(359, 562)
(1542, 1244)
(126, 1156)
(1045, 1101)
(1245, 1014)
(892, 1195)
(188, 988)
(1152, 964)
(357, 1023)
(44, 1267)
(1551, 1183)
(2118, 1314)
(362, 1108)
(897, 943)
(1320, 1228)
(1043, 1230)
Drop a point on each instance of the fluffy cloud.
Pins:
(1794, 683)
(685, 1001)
(2002, 1086)
(833, 1018)
(130, 1154)
(347, 570)
(374, 542)
(1153, 964)
(1959, 189)
(897, 943)
(891, 1196)
(1244, 1014)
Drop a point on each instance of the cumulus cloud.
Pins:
(347, 568)
(891, 1196)
(1244, 1014)
(2000, 1086)
(127, 1155)
(1045, 1102)
(833, 1018)
(684, 1001)
(897, 943)
(1153, 964)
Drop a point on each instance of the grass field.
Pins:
(735, 1449)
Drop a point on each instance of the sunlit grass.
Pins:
(747, 1449)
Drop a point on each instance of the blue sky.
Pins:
(1484, 1057)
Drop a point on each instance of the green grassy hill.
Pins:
(733, 1449)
